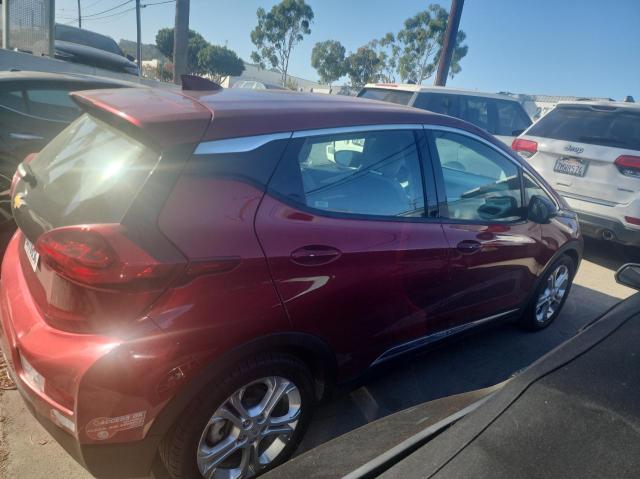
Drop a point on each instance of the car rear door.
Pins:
(577, 149)
(353, 252)
(496, 252)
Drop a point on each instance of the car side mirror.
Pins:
(541, 210)
(629, 275)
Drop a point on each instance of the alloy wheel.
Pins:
(553, 293)
(250, 429)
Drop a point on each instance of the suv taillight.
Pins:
(102, 256)
(526, 148)
(628, 165)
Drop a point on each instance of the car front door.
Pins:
(496, 252)
(352, 251)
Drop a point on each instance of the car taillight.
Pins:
(628, 165)
(102, 256)
(633, 220)
(526, 148)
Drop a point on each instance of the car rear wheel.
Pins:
(245, 424)
(550, 296)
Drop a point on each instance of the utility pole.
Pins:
(79, 16)
(449, 45)
(180, 40)
(138, 39)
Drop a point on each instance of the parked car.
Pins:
(501, 115)
(590, 153)
(90, 48)
(192, 271)
(257, 85)
(34, 108)
(574, 413)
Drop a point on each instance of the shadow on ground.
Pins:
(474, 362)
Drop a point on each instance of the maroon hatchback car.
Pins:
(193, 271)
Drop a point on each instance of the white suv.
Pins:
(501, 115)
(590, 153)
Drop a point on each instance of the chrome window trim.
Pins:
(240, 144)
(355, 129)
(417, 343)
(496, 149)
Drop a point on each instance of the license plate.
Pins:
(32, 254)
(571, 166)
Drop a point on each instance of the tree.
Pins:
(388, 52)
(328, 58)
(363, 66)
(219, 62)
(278, 32)
(196, 43)
(421, 40)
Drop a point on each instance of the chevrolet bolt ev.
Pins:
(193, 271)
(590, 153)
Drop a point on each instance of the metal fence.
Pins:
(28, 25)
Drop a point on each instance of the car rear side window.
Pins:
(52, 105)
(13, 100)
(91, 172)
(512, 119)
(392, 96)
(476, 110)
(446, 104)
(374, 173)
(606, 126)
(481, 185)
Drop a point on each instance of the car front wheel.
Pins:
(550, 296)
(245, 425)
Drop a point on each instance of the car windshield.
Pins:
(87, 38)
(605, 126)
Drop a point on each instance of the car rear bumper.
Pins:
(597, 220)
(598, 227)
(104, 414)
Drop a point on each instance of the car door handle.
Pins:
(315, 255)
(25, 136)
(469, 246)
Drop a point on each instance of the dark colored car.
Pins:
(90, 48)
(34, 108)
(574, 413)
(193, 271)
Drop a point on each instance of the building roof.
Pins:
(193, 116)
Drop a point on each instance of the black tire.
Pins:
(178, 449)
(529, 319)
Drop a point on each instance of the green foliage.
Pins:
(328, 58)
(203, 58)
(363, 66)
(421, 41)
(219, 62)
(278, 32)
(388, 52)
(149, 51)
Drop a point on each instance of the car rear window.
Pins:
(606, 126)
(392, 96)
(89, 173)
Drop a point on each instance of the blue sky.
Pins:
(558, 47)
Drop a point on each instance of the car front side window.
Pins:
(481, 185)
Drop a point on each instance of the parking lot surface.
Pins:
(477, 361)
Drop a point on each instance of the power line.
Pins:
(109, 9)
(158, 3)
